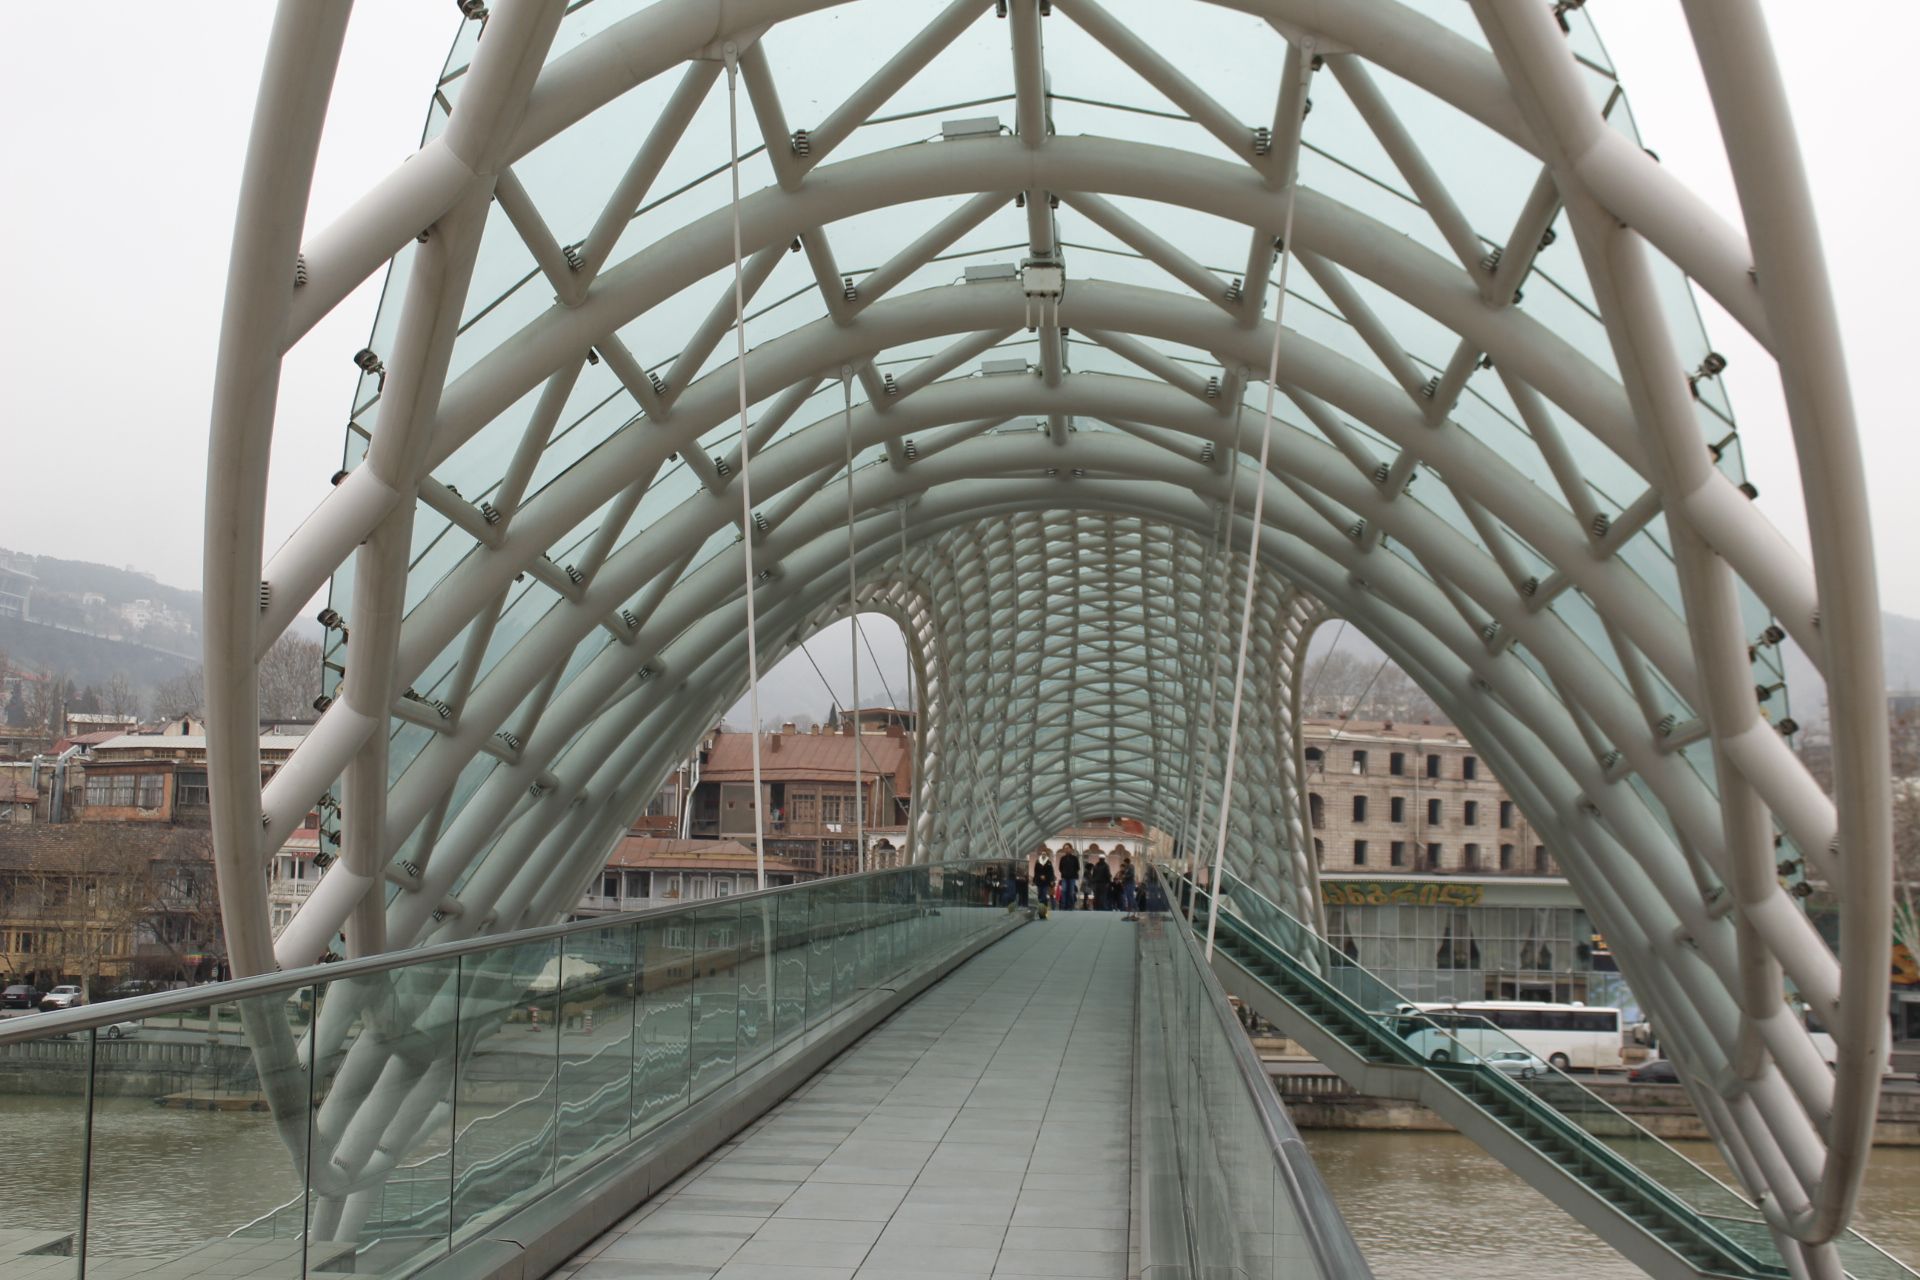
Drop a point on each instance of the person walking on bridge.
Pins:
(1043, 877)
(1069, 879)
(1100, 875)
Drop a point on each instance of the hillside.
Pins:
(114, 604)
(86, 659)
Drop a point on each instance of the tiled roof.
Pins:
(808, 757)
(184, 743)
(650, 853)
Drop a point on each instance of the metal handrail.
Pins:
(90, 1017)
(1327, 1233)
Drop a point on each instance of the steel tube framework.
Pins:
(1509, 465)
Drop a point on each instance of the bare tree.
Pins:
(118, 697)
(290, 678)
(181, 695)
(108, 895)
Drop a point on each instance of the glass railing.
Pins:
(372, 1115)
(1254, 1203)
(1503, 1067)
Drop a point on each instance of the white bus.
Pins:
(1563, 1035)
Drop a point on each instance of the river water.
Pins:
(1436, 1207)
(1421, 1205)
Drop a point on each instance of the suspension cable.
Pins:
(746, 465)
(1221, 559)
(853, 620)
(1260, 478)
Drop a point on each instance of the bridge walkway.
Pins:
(983, 1130)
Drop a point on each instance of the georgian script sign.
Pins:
(1374, 893)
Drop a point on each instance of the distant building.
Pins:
(161, 778)
(76, 724)
(807, 791)
(1471, 937)
(647, 871)
(18, 799)
(97, 904)
(293, 873)
(16, 591)
(881, 719)
(1411, 798)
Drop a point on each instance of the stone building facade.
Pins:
(1386, 797)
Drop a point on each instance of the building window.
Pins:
(1433, 857)
(1359, 808)
(1469, 768)
(1397, 853)
(1359, 762)
(1397, 764)
(1313, 757)
(1506, 813)
(190, 789)
(1470, 813)
(1316, 810)
(1359, 853)
(1540, 860)
(152, 790)
(1433, 766)
(1506, 857)
(637, 883)
(1458, 949)
(1397, 809)
(1433, 813)
(610, 884)
(1470, 857)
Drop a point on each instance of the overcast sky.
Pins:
(123, 157)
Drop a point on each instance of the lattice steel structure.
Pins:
(1501, 451)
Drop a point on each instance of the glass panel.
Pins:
(754, 978)
(191, 1085)
(445, 1093)
(1607, 1150)
(504, 1110)
(790, 991)
(715, 997)
(663, 1064)
(383, 1140)
(43, 1107)
(597, 1013)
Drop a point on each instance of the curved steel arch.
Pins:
(537, 538)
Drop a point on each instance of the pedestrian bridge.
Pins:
(880, 1074)
(1108, 349)
(862, 1074)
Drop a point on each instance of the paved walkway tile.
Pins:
(982, 1131)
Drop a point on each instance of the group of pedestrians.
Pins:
(1103, 887)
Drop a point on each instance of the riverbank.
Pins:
(1318, 1099)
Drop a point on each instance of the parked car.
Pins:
(21, 995)
(1516, 1062)
(1659, 1071)
(112, 1031)
(133, 987)
(64, 996)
